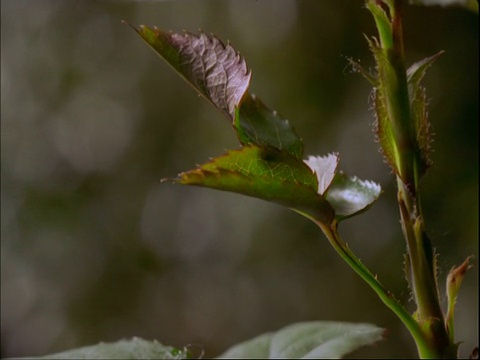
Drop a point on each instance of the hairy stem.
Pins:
(423, 276)
(393, 84)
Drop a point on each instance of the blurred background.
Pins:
(94, 248)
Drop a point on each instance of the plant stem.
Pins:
(423, 344)
(423, 274)
(420, 251)
(393, 84)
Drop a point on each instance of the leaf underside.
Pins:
(135, 348)
(350, 196)
(264, 173)
(324, 168)
(308, 340)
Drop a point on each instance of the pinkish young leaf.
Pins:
(215, 70)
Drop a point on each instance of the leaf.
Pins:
(382, 126)
(357, 68)
(454, 280)
(384, 131)
(469, 4)
(264, 173)
(418, 104)
(416, 72)
(124, 349)
(215, 70)
(350, 196)
(220, 74)
(257, 124)
(269, 166)
(324, 168)
(384, 25)
(308, 340)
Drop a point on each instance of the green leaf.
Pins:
(384, 25)
(257, 124)
(384, 131)
(308, 340)
(265, 173)
(382, 126)
(124, 349)
(416, 72)
(215, 70)
(350, 196)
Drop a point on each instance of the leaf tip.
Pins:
(125, 22)
(171, 180)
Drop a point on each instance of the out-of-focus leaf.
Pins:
(215, 70)
(124, 349)
(469, 4)
(349, 195)
(264, 173)
(257, 124)
(309, 340)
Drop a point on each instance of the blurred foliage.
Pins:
(94, 248)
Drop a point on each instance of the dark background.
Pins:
(95, 249)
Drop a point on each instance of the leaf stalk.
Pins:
(422, 341)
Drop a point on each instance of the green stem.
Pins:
(394, 87)
(422, 342)
(421, 258)
(423, 277)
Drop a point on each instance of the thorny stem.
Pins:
(420, 252)
(424, 284)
